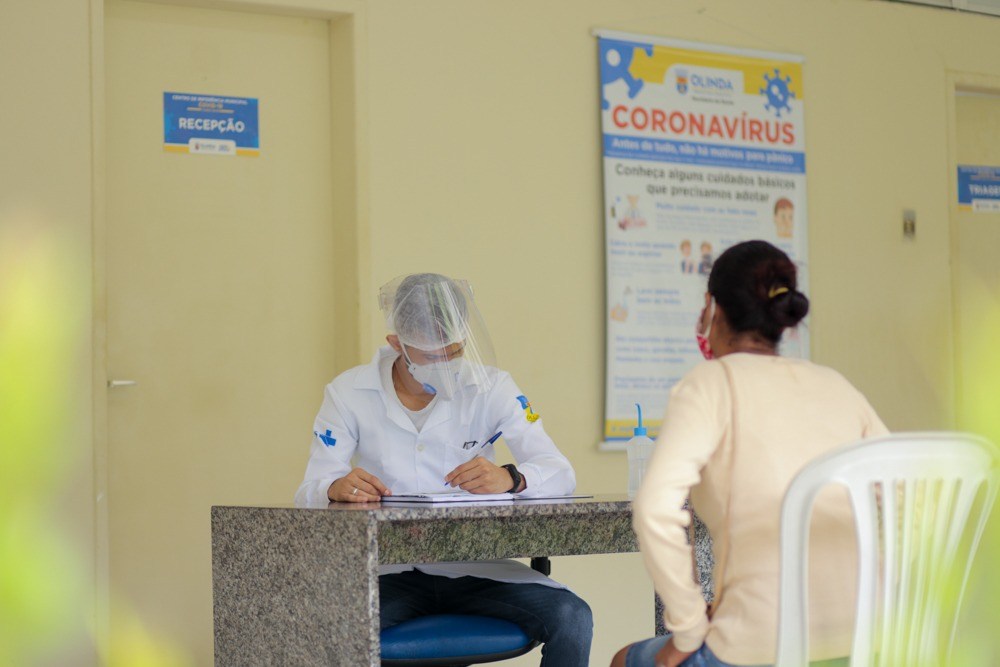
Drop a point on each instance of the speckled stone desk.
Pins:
(299, 586)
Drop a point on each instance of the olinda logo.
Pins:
(702, 83)
(715, 84)
(682, 81)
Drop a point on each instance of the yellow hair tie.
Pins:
(775, 291)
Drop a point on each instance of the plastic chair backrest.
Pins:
(920, 503)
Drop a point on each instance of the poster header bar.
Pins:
(697, 46)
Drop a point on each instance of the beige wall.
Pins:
(489, 111)
(480, 157)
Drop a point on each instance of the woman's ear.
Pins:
(719, 319)
(393, 341)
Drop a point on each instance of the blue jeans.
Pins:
(643, 654)
(556, 617)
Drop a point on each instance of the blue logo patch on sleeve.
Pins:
(327, 438)
(529, 414)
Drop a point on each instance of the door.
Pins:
(220, 292)
(976, 271)
(975, 237)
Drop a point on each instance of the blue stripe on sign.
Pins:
(710, 155)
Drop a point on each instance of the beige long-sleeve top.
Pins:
(736, 431)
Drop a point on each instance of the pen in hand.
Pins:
(482, 448)
(489, 442)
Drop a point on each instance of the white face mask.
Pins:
(442, 378)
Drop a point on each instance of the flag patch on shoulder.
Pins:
(529, 414)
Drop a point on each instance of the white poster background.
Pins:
(704, 147)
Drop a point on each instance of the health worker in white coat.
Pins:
(423, 416)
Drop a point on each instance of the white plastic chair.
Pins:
(920, 502)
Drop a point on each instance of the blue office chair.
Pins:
(456, 640)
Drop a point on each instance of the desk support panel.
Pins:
(294, 587)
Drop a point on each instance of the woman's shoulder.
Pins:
(739, 366)
(759, 362)
(704, 374)
(801, 371)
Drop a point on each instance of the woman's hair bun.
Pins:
(789, 307)
(755, 284)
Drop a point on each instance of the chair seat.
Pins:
(455, 637)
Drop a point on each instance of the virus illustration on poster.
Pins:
(777, 92)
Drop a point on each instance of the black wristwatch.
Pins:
(514, 475)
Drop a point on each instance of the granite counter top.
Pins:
(428, 532)
(391, 511)
(299, 585)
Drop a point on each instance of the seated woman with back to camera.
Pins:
(736, 431)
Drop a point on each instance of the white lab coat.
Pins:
(359, 420)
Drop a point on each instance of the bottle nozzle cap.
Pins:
(639, 429)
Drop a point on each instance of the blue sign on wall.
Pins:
(212, 124)
(979, 188)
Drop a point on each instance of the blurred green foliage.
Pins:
(47, 605)
(978, 639)
(41, 591)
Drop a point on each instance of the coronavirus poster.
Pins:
(703, 147)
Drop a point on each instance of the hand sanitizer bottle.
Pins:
(639, 449)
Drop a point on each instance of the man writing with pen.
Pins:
(423, 417)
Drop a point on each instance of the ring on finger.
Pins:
(355, 491)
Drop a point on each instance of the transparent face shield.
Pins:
(445, 343)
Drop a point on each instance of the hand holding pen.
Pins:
(480, 475)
